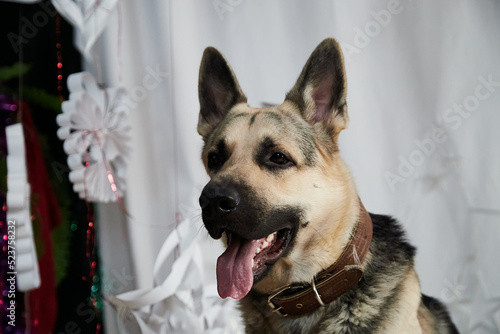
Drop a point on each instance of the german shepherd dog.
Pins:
(303, 255)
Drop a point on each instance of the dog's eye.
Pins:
(279, 158)
(214, 160)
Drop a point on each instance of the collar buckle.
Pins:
(276, 308)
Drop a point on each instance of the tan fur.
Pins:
(405, 319)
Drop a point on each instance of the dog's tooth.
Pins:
(253, 262)
(270, 236)
(258, 249)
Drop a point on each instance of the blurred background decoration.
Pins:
(423, 96)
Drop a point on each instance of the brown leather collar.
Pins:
(300, 299)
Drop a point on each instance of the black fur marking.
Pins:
(264, 153)
(218, 157)
(444, 323)
(230, 119)
(270, 115)
(274, 116)
(252, 119)
(391, 236)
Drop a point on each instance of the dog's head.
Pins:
(279, 194)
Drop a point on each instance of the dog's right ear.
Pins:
(218, 91)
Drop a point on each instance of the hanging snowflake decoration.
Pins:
(89, 19)
(96, 134)
(19, 213)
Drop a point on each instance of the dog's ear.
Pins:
(218, 91)
(320, 90)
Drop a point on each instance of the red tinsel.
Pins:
(43, 301)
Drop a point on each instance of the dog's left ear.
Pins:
(218, 91)
(320, 90)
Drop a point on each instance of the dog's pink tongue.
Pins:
(234, 268)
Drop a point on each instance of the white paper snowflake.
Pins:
(94, 127)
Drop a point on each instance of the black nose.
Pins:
(218, 200)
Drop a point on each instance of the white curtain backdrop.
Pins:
(423, 142)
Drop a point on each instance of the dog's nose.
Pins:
(216, 200)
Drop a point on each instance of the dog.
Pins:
(302, 254)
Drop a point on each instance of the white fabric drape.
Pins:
(424, 94)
